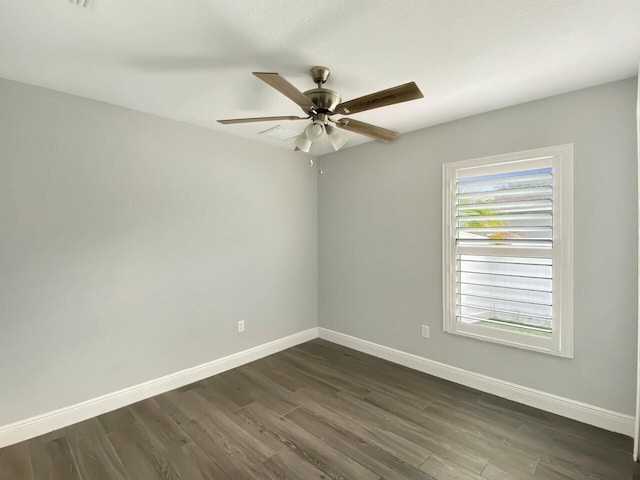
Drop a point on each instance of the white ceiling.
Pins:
(191, 60)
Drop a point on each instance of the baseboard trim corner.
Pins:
(63, 417)
(582, 412)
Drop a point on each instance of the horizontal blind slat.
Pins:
(543, 262)
(545, 191)
(514, 206)
(490, 229)
(521, 242)
(496, 274)
(509, 288)
(507, 217)
(502, 299)
(469, 182)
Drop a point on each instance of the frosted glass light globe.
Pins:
(314, 131)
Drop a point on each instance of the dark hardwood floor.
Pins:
(323, 411)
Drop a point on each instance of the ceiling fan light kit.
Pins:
(303, 143)
(320, 104)
(314, 130)
(337, 138)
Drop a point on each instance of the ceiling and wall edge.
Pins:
(318, 158)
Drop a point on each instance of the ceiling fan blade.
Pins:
(260, 119)
(372, 131)
(285, 88)
(390, 96)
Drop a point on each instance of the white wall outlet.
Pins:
(240, 326)
(425, 331)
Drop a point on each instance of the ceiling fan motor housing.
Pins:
(326, 100)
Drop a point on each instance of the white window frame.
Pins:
(560, 159)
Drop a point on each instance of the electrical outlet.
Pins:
(425, 331)
(240, 326)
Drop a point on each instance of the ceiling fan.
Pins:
(320, 104)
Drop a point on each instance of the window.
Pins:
(507, 256)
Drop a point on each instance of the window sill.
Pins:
(549, 346)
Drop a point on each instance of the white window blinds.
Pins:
(513, 208)
(507, 262)
(505, 209)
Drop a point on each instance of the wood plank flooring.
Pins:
(321, 411)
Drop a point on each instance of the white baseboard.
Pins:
(48, 422)
(582, 412)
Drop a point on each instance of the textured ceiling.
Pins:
(191, 60)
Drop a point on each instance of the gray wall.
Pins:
(131, 245)
(380, 241)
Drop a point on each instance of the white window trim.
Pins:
(560, 158)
